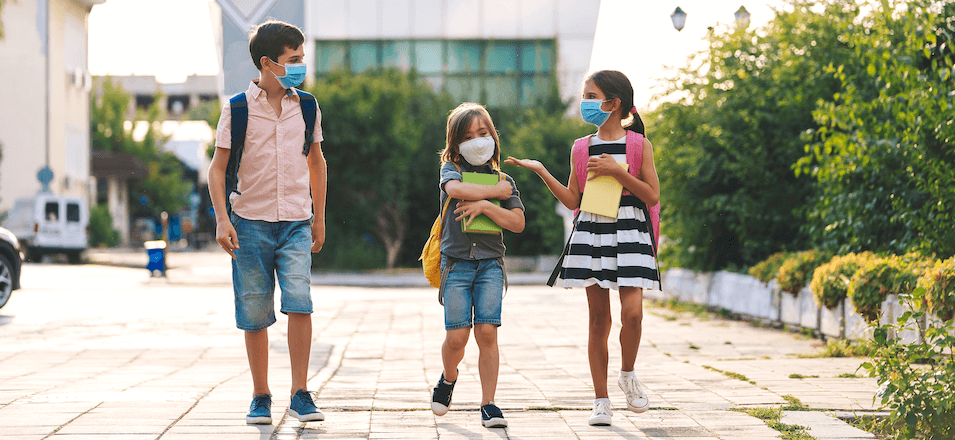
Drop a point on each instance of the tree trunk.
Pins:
(391, 223)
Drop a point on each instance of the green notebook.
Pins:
(481, 224)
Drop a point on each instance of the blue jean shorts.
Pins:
(270, 250)
(473, 291)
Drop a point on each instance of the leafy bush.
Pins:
(917, 380)
(797, 271)
(767, 269)
(101, 227)
(939, 285)
(880, 277)
(830, 281)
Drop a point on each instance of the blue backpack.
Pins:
(240, 122)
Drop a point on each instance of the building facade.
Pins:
(503, 53)
(44, 122)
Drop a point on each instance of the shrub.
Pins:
(939, 285)
(767, 269)
(797, 271)
(917, 380)
(830, 281)
(101, 227)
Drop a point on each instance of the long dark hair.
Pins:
(615, 84)
(458, 122)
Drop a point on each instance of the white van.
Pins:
(50, 224)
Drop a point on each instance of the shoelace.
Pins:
(260, 402)
(306, 397)
(602, 409)
(633, 387)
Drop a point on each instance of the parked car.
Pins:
(11, 259)
(50, 224)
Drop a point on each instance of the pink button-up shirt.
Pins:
(273, 174)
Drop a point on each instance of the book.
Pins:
(602, 195)
(481, 224)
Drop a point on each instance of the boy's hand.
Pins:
(472, 208)
(227, 237)
(505, 189)
(603, 165)
(318, 236)
(530, 164)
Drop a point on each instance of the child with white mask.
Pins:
(472, 266)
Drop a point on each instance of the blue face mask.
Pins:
(591, 112)
(294, 75)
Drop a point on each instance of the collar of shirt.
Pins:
(255, 91)
(486, 168)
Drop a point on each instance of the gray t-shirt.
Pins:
(457, 244)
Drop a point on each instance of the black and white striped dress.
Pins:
(611, 252)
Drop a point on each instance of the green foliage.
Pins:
(917, 380)
(797, 271)
(771, 416)
(880, 277)
(208, 111)
(939, 285)
(102, 233)
(882, 152)
(830, 281)
(768, 269)
(164, 187)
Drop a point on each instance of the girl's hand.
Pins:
(504, 187)
(530, 164)
(603, 165)
(471, 209)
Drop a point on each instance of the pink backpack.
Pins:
(581, 153)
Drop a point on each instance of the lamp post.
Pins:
(679, 19)
(742, 16)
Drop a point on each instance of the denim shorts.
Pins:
(270, 250)
(472, 286)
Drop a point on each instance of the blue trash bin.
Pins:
(156, 250)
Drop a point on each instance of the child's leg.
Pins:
(299, 348)
(257, 349)
(598, 300)
(488, 361)
(452, 351)
(631, 317)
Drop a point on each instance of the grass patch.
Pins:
(799, 376)
(771, 417)
(794, 404)
(879, 426)
(848, 376)
(843, 348)
(699, 311)
(693, 347)
(730, 374)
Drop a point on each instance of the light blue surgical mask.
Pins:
(294, 74)
(591, 112)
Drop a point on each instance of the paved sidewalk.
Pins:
(160, 373)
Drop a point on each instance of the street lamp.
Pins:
(742, 16)
(679, 19)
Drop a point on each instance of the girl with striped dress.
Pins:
(606, 253)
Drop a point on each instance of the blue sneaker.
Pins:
(491, 416)
(260, 412)
(303, 408)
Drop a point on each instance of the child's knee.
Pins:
(485, 334)
(631, 318)
(457, 339)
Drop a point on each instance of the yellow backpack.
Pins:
(431, 254)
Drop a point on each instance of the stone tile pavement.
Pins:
(163, 371)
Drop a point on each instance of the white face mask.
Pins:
(477, 151)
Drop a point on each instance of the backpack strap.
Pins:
(635, 159)
(309, 113)
(239, 110)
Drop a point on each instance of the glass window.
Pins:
(72, 212)
(537, 57)
(52, 211)
(364, 56)
(501, 57)
(396, 54)
(330, 55)
(463, 88)
(428, 57)
(436, 82)
(464, 56)
(535, 90)
(501, 92)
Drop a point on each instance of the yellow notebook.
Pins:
(602, 195)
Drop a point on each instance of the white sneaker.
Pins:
(601, 414)
(637, 400)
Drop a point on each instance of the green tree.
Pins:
(726, 149)
(883, 154)
(164, 187)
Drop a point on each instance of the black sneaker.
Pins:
(441, 398)
(492, 417)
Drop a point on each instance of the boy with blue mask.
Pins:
(270, 208)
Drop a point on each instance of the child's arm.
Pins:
(647, 188)
(457, 189)
(568, 195)
(318, 179)
(225, 232)
(510, 219)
